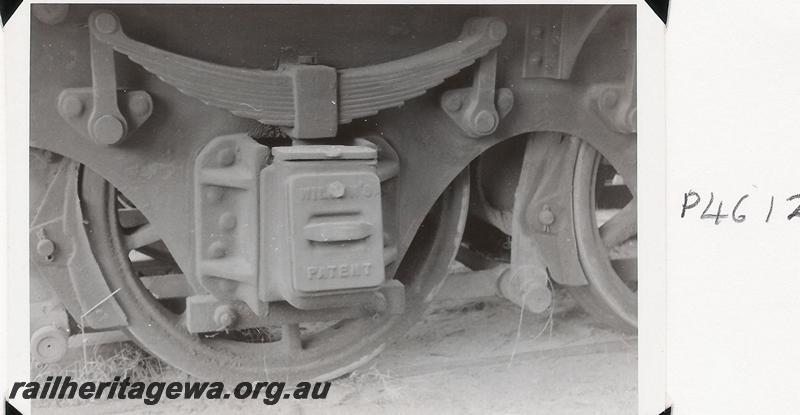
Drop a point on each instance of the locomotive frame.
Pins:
(442, 122)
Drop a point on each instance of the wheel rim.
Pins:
(328, 353)
(601, 241)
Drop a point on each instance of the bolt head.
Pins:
(106, 23)
(497, 30)
(108, 129)
(140, 104)
(71, 106)
(485, 122)
(336, 190)
(226, 157)
(45, 247)
(50, 14)
(49, 344)
(227, 221)
(546, 216)
(377, 305)
(505, 100)
(609, 98)
(452, 102)
(225, 316)
(630, 119)
(333, 152)
(217, 249)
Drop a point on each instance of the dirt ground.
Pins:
(474, 357)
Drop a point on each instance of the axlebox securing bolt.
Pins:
(225, 316)
(377, 305)
(333, 152)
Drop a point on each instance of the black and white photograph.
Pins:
(333, 208)
(399, 207)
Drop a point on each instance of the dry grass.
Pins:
(366, 385)
(103, 363)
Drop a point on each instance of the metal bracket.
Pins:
(205, 313)
(526, 281)
(616, 105)
(473, 109)
(226, 217)
(80, 108)
(94, 112)
(62, 248)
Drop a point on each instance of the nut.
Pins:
(45, 247)
(333, 152)
(497, 30)
(50, 14)
(377, 305)
(505, 101)
(49, 344)
(452, 102)
(106, 23)
(485, 122)
(225, 316)
(108, 129)
(546, 216)
(140, 104)
(609, 98)
(71, 106)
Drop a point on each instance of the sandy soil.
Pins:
(471, 357)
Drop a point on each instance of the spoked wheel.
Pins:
(604, 212)
(291, 352)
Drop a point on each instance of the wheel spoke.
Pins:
(143, 236)
(620, 227)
